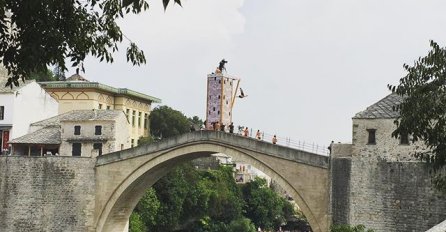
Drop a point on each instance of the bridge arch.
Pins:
(123, 177)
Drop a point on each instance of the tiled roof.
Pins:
(84, 115)
(53, 121)
(79, 115)
(78, 84)
(381, 109)
(47, 135)
(7, 89)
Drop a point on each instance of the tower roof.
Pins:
(381, 109)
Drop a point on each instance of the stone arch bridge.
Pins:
(122, 177)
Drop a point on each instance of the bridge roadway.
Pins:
(122, 177)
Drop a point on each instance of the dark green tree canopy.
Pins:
(38, 33)
(423, 109)
(166, 122)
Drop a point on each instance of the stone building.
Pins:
(377, 181)
(221, 91)
(21, 105)
(77, 93)
(86, 133)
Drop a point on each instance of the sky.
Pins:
(307, 66)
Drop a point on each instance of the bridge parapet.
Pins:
(219, 137)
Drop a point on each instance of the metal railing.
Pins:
(284, 141)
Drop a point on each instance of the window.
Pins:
(98, 146)
(2, 112)
(133, 141)
(133, 117)
(77, 130)
(108, 107)
(139, 119)
(372, 136)
(98, 130)
(100, 106)
(77, 147)
(404, 139)
(146, 121)
(127, 113)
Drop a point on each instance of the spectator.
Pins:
(246, 132)
(231, 128)
(274, 139)
(258, 135)
(329, 147)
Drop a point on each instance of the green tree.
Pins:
(38, 33)
(45, 75)
(423, 109)
(147, 208)
(187, 199)
(136, 224)
(349, 228)
(171, 190)
(263, 206)
(166, 122)
(242, 224)
(196, 122)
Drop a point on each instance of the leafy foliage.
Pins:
(423, 110)
(166, 122)
(148, 207)
(263, 206)
(199, 201)
(136, 224)
(38, 33)
(196, 122)
(45, 75)
(349, 228)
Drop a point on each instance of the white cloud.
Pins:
(308, 66)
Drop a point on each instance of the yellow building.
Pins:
(77, 93)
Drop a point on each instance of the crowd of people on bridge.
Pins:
(242, 130)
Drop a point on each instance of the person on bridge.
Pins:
(329, 147)
(231, 128)
(246, 132)
(258, 135)
(274, 139)
(217, 126)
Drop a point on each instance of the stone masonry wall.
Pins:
(394, 196)
(388, 189)
(340, 176)
(46, 194)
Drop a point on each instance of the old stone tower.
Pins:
(221, 90)
(377, 182)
